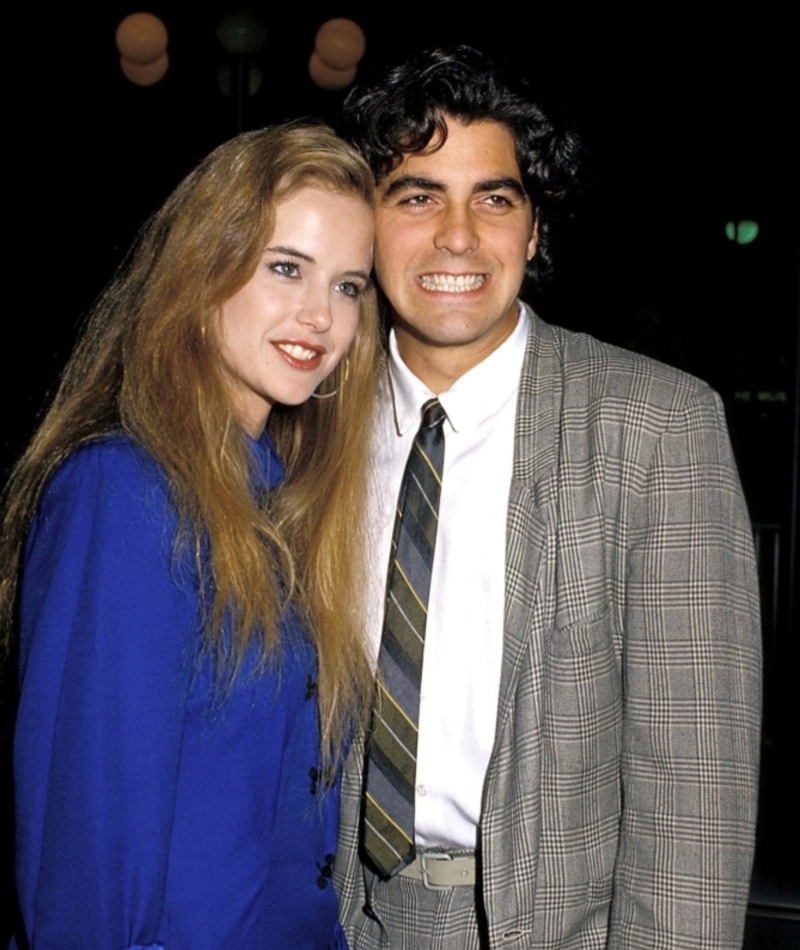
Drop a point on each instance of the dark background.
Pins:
(691, 121)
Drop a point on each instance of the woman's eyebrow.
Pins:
(291, 251)
(360, 273)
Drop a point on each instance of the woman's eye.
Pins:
(349, 289)
(285, 268)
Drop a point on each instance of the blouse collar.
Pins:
(268, 471)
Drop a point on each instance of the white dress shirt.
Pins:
(464, 633)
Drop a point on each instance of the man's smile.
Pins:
(452, 283)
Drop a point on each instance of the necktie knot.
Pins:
(433, 414)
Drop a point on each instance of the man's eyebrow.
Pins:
(500, 184)
(410, 182)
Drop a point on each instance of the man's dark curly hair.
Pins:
(400, 111)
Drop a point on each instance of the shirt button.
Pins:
(422, 791)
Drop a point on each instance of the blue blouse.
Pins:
(153, 808)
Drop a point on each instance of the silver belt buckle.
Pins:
(423, 861)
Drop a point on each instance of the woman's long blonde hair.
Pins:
(148, 363)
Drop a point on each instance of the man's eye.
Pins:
(417, 201)
(497, 201)
(285, 268)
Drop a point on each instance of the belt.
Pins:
(439, 871)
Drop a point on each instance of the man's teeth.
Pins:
(298, 352)
(452, 283)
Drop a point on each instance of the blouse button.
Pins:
(325, 872)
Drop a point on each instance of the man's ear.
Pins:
(531, 250)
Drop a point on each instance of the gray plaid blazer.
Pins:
(619, 804)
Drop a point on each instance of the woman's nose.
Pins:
(316, 312)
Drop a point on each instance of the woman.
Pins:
(190, 654)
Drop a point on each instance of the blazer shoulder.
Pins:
(601, 373)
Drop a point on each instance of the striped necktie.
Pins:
(392, 751)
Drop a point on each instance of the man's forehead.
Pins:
(480, 145)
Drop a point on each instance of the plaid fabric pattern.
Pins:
(619, 803)
(419, 919)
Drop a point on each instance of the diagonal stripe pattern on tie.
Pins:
(392, 753)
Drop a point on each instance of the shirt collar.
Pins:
(474, 397)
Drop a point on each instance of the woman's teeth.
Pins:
(297, 352)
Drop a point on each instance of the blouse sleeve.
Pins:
(107, 630)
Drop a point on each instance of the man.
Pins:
(583, 743)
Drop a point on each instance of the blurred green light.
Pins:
(743, 232)
(746, 232)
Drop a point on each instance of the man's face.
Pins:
(453, 231)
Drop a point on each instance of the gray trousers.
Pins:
(402, 914)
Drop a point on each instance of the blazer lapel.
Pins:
(531, 511)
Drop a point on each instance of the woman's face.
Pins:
(291, 323)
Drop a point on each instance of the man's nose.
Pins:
(456, 231)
